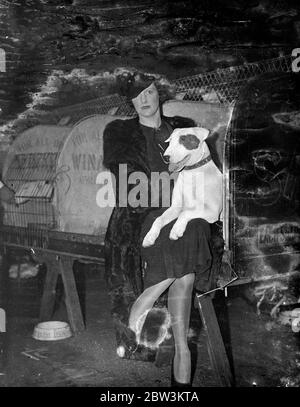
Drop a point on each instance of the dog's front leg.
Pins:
(153, 233)
(180, 225)
(167, 217)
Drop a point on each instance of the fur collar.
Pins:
(124, 142)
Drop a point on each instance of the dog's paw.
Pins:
(177, 231)
(148, 241)
(150, 238)
(173, 235)
(153, 233)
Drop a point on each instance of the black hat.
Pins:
(132, 85)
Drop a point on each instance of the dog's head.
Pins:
(183, 145)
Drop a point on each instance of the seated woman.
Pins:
(168, 264)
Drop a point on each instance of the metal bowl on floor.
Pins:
(52, 331)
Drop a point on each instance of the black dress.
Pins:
(172, 258)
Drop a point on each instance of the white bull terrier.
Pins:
(197, 191)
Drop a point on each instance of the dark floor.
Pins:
(265, 353)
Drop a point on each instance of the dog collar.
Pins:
(198, 164)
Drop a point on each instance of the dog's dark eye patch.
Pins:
(190, 141)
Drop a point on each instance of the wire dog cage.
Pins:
(223, 85)
(32, 176)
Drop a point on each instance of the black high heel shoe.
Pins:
(175, 383)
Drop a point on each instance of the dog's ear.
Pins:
(201, 132)
(174, 133)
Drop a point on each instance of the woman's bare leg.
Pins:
(179, 305)
(146, 301)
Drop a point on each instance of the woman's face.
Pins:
(146, 103)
